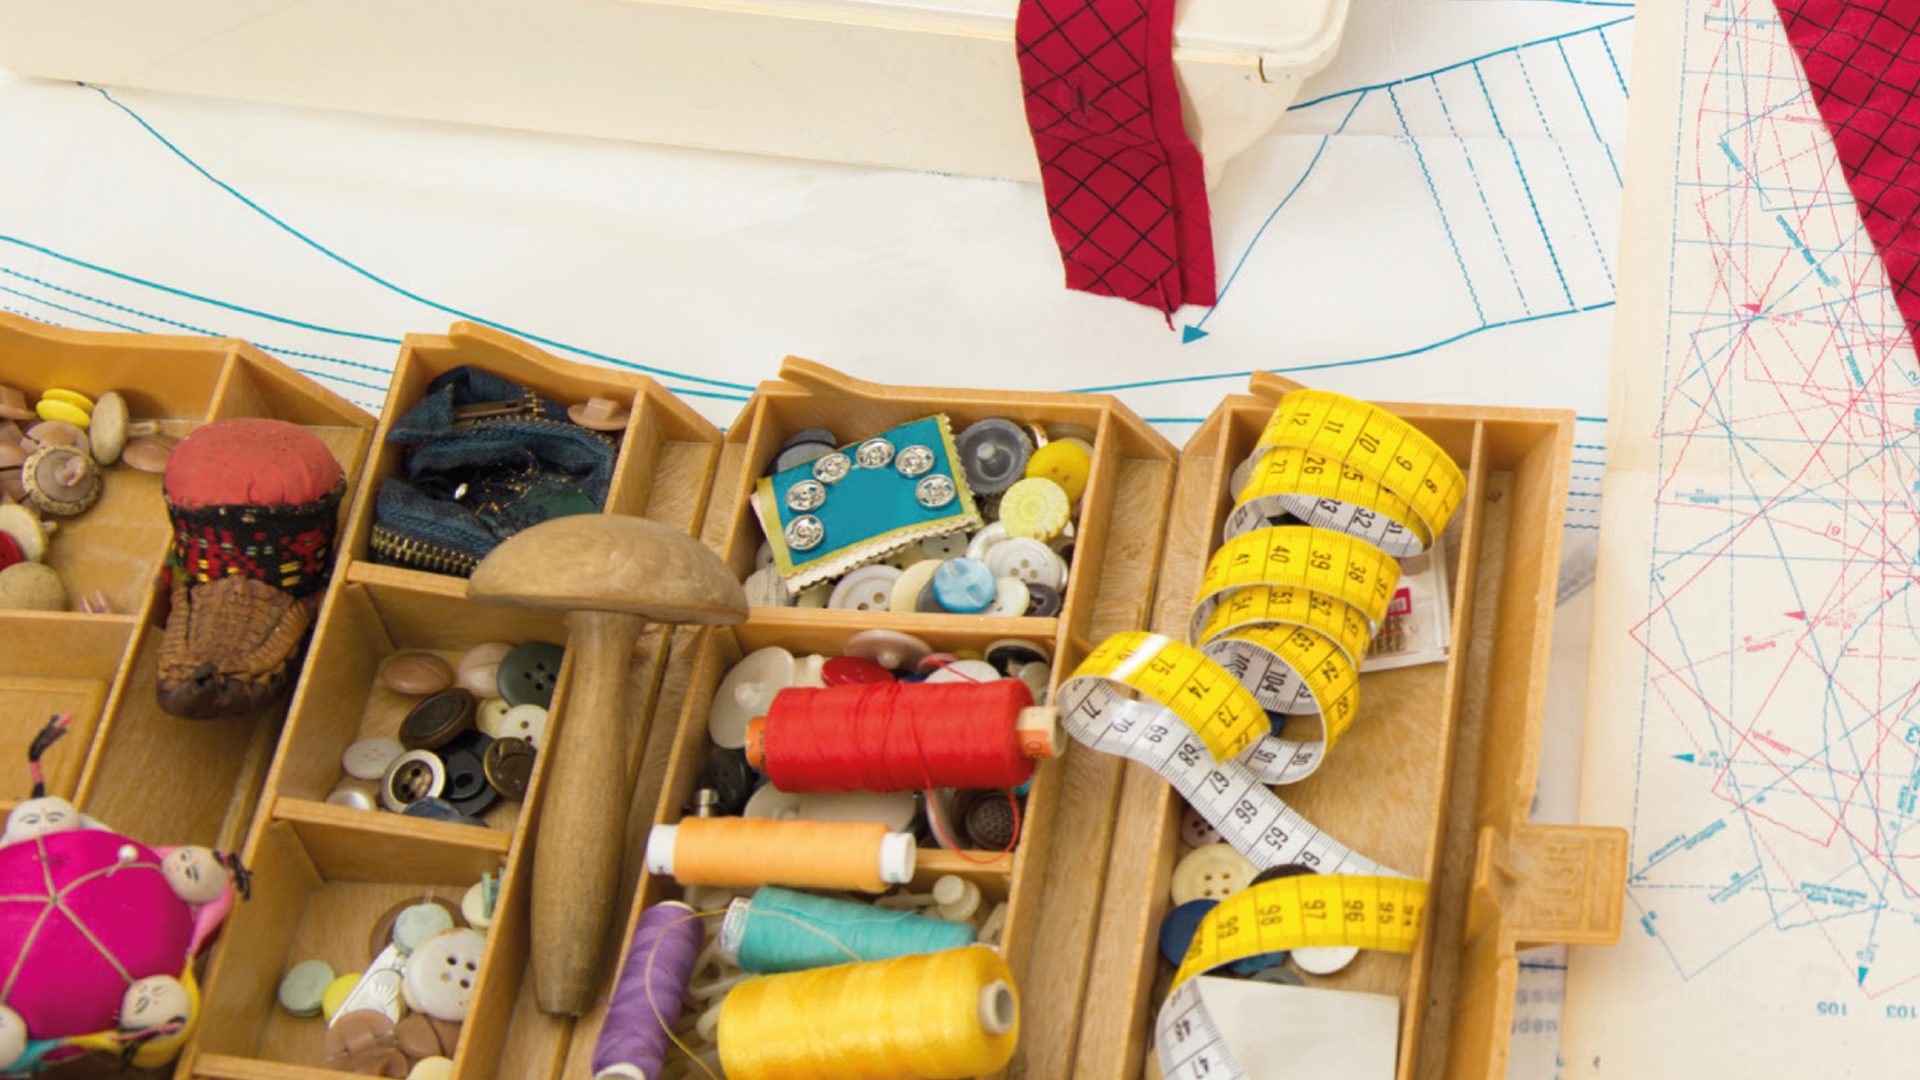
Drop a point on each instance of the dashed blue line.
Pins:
(1439, 209)
(1474, 60)
(1526, 186)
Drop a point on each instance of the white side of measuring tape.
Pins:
(1228, 794)
(1343, 517)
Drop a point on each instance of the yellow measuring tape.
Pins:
(1350, 570)
(1308, 911)
(1282, 605)
(1223, 713)
(1342, 464)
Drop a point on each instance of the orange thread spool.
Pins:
(800, 854)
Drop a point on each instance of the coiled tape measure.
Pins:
(1284, 616)
(1345, 465)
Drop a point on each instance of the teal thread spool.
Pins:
(781, 930)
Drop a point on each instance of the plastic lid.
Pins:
(897, 853)
(733, 929)
(998, 1009)
(660, 849)
(1039, 729)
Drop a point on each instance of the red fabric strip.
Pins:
(1126, 195)
(1863, 61)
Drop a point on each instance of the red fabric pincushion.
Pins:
(250, 461)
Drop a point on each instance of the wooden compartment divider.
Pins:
(342, 866)
(150, 775)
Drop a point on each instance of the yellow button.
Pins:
(49, 409)
(1064, 463)
(431, 1068)
(336, 994)
(1036, 508)
(1214, 872)
(71, 397)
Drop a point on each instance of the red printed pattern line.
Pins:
(1126, 194)
(1863, 61)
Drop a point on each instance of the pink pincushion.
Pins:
(63, 981)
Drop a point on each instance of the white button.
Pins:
(1214, 872)
(745, 694)
(488, 717)
(442, 973)
(1029, 560)
(870, 588)
(765, 588)
(1037, 676)
(965, 671)
(907, 587)
(1324, 959)
(951, 546)
(895, 810)
(473, 907)
(985, 540)
(1010, 598)
(811, 671)
(527, 722)
(368, 759)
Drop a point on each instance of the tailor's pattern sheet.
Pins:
(1756, 725)
(1436, 220)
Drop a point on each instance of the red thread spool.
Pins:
(897, 737)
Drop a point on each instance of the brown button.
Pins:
(149, 453)
(422, 1036)
(382, 935)
(13, 404)
(414, 775)
(352, 1036)
(600, 414)
(60, 480)
(416, 673)
(435, 721)
(509, 767)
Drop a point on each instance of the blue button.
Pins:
(1177, 929)
(1248, 965)
(963, 586)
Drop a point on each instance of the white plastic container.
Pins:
(918, 84)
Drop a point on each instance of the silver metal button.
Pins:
(831, 468)
(806, 495)
(874, 454)
(934, 492)
(914, 461)
(805, 532)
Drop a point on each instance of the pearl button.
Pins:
(1214, 872)
(443, 972)
(870, 588)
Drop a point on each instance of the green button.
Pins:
(529, 672)
(303, 986)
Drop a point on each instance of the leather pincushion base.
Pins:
(254, 504)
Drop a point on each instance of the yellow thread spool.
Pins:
(937, 1016)
(801, 854)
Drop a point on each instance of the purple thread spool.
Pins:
(633, 1042)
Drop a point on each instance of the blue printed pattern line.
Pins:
(1511, 211)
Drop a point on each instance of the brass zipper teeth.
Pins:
(420, 555)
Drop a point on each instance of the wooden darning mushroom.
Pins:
(610, 574)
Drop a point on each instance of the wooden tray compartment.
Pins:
(1116, 555)
(1014, 878)
(342, 699)
(1434, 778)
(150, 775)
(666, 455)
(666, 458)
(319, 888)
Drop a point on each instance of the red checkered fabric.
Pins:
(1863, 59)
(1125, 191)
